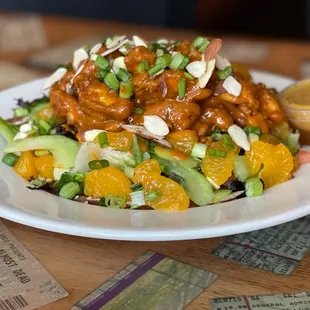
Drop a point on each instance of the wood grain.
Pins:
(82, 264)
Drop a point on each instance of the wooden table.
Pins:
(82, 264)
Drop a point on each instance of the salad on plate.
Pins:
(159, 125)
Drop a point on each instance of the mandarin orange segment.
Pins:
(45, 166)
(219, 169)
(25, 167)
(102, 182)
(276, 161)
(120, 140)
(171, 196)
(183, 140)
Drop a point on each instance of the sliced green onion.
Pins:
(203, 46)
(146, 155)
(153, 195)
(137, 199)
(143, 66)
(255, 130)
(44, 127)
(10, 159)
(184, 62)
(159, 52)
(136, 150)
(40, 153)
(254, 187)
(138, 110)
(129, 172)
(102, 202)
(216, 153)
(228, 142)
(198, 42)
(176, 61)
(199, 150)
(216, 136)
(123, 75)
(98, 164)
(19, 112)
(152, 71)
(36, 183)
(101, 74)
(112, 81)
(177, 43)
(136, 187)
(103, 139)
(126, 90)
(223, 74)
(69, 190)
(189, 76)
(163, 60)
(253, 137)
(65, 178)
(102, 63)
(116, 202)
(182, 88)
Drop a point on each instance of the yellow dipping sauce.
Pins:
(295, 101)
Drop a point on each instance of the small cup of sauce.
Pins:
(295, 101)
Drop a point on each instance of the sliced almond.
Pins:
(95, 48)
(140, 130)
(20, 136)
(25, 128)
(232, 86)
(114, 42)
(197, 68)
(162, 41)
(80, 56)
(54, 78)
(119, 62)
(239, 137)
(212, 49)
(137, 41)
(203, 80)
(221, 62)
(155, 125)
(113, 49)
(70, 83)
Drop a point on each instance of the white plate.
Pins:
(279, 204)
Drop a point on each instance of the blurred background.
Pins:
(36, 36)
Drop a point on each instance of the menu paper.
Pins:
(293, 301)
(278, 249)
(153, 282)
(24, 283)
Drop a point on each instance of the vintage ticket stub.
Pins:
(154, 282)
(277, 249)
(21, 33)
(293, 301)
(24, 283)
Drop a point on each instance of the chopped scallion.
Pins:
(19, 112)
(138, 110)
(129, 172)
(112, 81)
(79, 177)
(153, 195)
(36, 183)
(137, 199)
(199, 150)
(69, 190)
(101, 74)
(102, 63)
(143, 66)
(254, 187)
(159, 52)
(103, 139)
(177, 43)
(116, 202)
(152, 71)
(44, 127)
(182, 88)
(40, 153)
(176, 61)
(184, 62)
(146, 155)
(65, 178)
(126, 90)
(98, 164)
(163, 60)
(216, 153)
(136, 187)
(228, 142)
(9, 159)
(223, 74)
(255, 130)
(136, 150)
(203, 46)
(189, 76)
(197, 43)
(216, 136)
(123, 75)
